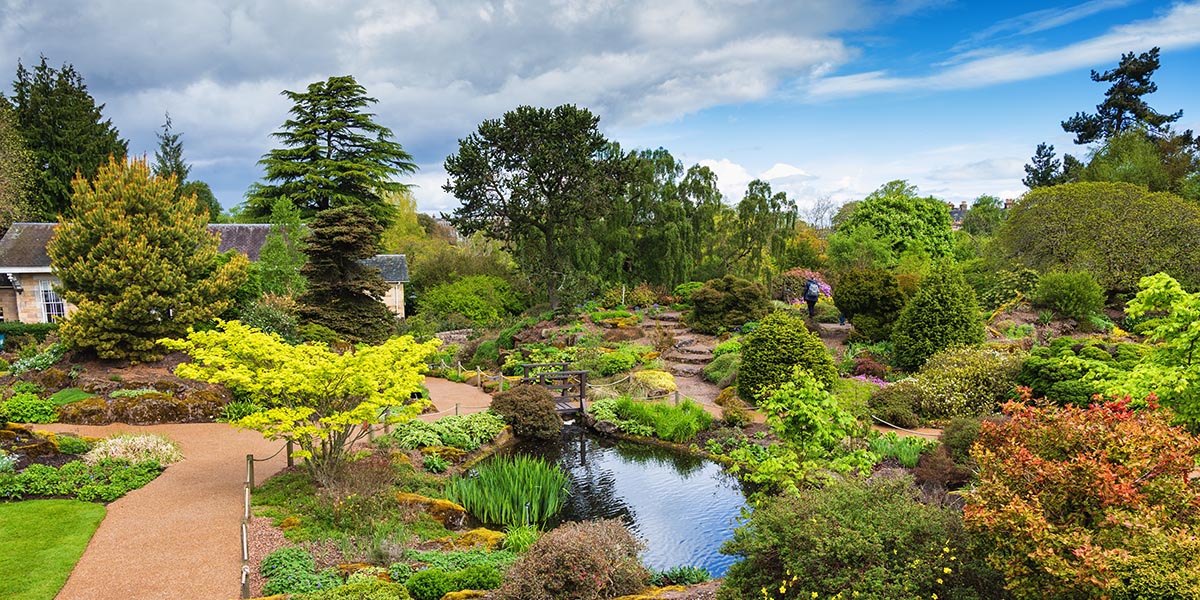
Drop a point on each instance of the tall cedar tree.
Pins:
(343, 294)
(334, 155)
(16, 170)
(63, 127)
(1123, 107)
(138, 264)
(535, 179)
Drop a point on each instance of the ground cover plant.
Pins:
(42, 540)
(465, 432)
(511, 491)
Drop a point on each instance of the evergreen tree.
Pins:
(137, 263)
(1123, 107)
(334, 155)
(943, 313)
(280, 260)
(168, 159)
(1045, 168)
(206, 202)
(66, 132)
(343, 294)
(16, 171)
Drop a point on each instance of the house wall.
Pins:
(27, 305)
(8, 303)
(394, 299)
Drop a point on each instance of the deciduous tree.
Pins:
(281, 258)
(334, 155)
(904, 219)
(535, 179)
(138, 265)
(314, 397)
(64, 129)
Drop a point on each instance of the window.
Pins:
(53, 307)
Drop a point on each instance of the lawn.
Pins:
(40, 542)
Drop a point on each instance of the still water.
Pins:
(683, 506)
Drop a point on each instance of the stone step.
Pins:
(665, 325)
(689, 359)
(685, 370)
(693, 348)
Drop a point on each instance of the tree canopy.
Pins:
(1118, 231)
(16, 170)
(904, 220)
(1123, 107)
(313, 397)
(334, 154)
(64, 129)
(138, 264)
(536, 179)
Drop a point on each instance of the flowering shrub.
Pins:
(135, 448)
(792, 284)
(1087, 502)
(966, 381)
(583, 561)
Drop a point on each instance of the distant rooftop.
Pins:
(24, 245)
(393, 267)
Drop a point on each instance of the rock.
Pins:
(481, 537)
(605, 427)
(447, 513)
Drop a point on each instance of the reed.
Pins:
(905, 450)
(678, 424)
(500, 489)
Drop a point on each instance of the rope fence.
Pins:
(248, 487)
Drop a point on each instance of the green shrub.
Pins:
(315, 332)
(69, 444)
(429, 584)
(730, 346)
(871, 300)
(896, 403)
(487, 354)
(958, 436)
(239, 409)
(520, 537)
(270, 316)
(619, 361)
(943, 313)
(682, 575)
(1071, 371)
(723, 369)
(434, 463)
(966, 381)
(457, 560)
(727, 303)
(483, 299)
(604, 551)
(858, 538)
(530, 410)
(775, 350)
(1073, 295)
(476, 577)
(28, 408)
(684, 291)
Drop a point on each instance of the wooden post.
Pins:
(249, 471)
(290, 461)
(676, 397)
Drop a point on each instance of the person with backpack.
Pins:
(812, 291)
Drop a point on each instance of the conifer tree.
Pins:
(64, 129)
(943, 313)
(16, 171)
(343, 294)
(138, 265)
(1123, 107)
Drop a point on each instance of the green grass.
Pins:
(69, 395)
(40, 542)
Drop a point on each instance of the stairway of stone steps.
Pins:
(690, 352)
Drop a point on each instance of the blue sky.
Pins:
(827, 100)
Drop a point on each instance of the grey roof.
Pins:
(24, 244)
(393, 267)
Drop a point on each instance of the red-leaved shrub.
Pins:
(582, 561)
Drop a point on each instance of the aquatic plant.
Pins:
(511, 491)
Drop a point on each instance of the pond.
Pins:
(684, 506)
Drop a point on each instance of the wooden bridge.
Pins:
(569, 388)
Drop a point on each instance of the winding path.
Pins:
(178, 537)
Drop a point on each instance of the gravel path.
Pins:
(178, 537)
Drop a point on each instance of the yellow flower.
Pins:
(782, 589)
(814, 594)
(947, 570)
(946, 549)
(939, 580)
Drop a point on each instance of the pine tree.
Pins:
(66, 132)
(343, 294)
(1045, 168)
(280, 259)
(334, 155)
(1123, 107)
(138, 265)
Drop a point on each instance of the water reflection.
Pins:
(684, 506)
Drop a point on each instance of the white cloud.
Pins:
(1177, 29)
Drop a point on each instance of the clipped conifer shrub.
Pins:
(729, 303)
(1073, 295)
(775, 349)
(943, 313)
(871, 300)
